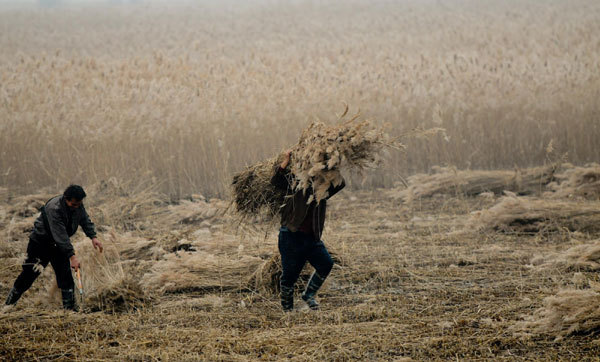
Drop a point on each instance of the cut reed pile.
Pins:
(449, 181)
(584, 257)
(577, 182)
(570, 311)
(107, 285)
(529, 215)
(198, 271)
(316, 162)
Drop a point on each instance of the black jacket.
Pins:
(295, 208)
(57, 223)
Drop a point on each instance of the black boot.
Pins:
(13, 297)
(68, 299)
(287, 298)
(312, 287)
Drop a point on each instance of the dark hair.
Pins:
(74, 192)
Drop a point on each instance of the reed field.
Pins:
(185, 96)
(467, 132)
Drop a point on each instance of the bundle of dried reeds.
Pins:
(569, 311)
(198, 271)
(317, 160)
(106, 285)
(123, 296)
(253, 193)
(529, 215)
(449, 181)
(584, 257)
(577, 182)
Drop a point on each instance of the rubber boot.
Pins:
(68, 299)
(13, 297)
(287, 298)
(314, 284)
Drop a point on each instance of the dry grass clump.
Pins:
(266, 277)
(106, 285)
(124, 296)
(577, 182)
(268, 274)
(449, 181)
(528, 215)
(317, 160)
(198, 271)
(584, 257)
(569, 312)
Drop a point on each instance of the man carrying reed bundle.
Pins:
(295, 187)
(49, 243)
(302, 222)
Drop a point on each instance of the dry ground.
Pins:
(411, 284)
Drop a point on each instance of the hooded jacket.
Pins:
(58, 222)
(296, 208)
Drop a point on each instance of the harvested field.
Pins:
(405, 286)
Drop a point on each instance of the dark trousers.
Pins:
(39, 254)
(296, 248)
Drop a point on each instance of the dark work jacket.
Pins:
(62, 223)
(295, 209)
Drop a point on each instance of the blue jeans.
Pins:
(296, 248)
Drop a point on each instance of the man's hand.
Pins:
(97, 244)
(286, 159)
(74, 262)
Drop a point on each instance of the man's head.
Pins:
(74, 196)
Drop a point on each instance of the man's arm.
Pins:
(279, 179)
(89, 229)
